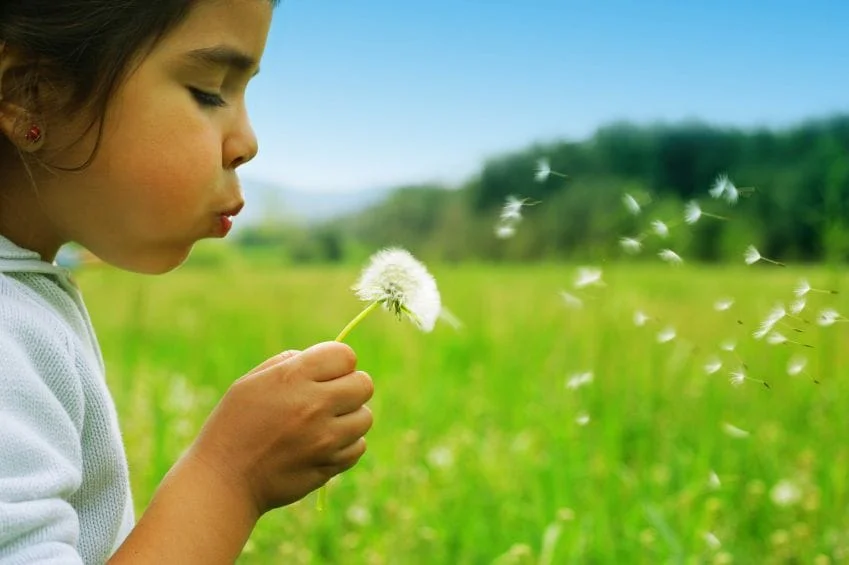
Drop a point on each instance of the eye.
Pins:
(208, 99)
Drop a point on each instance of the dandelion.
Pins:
(631, 204)
(829, 317)
(734, 431)
(660, 228)
(752, 256)
(723, 188)
(543, 171)
(713, 365)
(666, 335)
(804, 287)
(630, 244)
(670, 257)
(785, 493)
(777, 338)
(571, 300)
(401, 284)
(723, 304)
(738, 377)
(505, 231)
(588, 276)
(693, 213)
(640, 318)
(578, 380)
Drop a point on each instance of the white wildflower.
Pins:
(588, 276)
(401, 284)
(630, 244)
(543, 170)
(670, 257)
(666, 335)
(660, 228)
(692, 212)
(578, 380)
(631, 204)
(785, 493)
(713, 365)
(734, 431)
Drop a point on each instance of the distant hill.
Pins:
(269, 202)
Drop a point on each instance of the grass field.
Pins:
(480, 453)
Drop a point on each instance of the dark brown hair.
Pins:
(86, 46)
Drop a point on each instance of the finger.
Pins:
(350, 427)
(348, 456)
(276, 360)
(326, 361)
(349, 393)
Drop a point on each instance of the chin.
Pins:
(156, 262)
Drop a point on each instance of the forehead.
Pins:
(240, 25)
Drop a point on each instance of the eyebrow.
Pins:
(225, 56)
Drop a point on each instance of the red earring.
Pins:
(34, 134)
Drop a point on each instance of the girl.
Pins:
(123, 126)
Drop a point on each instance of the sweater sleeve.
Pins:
(40, 453)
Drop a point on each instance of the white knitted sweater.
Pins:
(64, 488)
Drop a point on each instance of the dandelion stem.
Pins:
(561, 175)
(715, 216)
(773, 261)
(322, 492)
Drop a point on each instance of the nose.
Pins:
(241, 146)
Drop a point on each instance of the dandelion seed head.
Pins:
(588, 276)
(796, 365)
(630, 244)
(692, 212)
(670, 257)
(666, 335)
(723, 304)
(802, 288)
(752, 255)
(571, 300)
(660, 228)
(543, 170)
(631, 203)
(713, 365)
(403, 285)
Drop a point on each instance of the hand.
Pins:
(289, 425)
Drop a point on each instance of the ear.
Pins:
(16, 120)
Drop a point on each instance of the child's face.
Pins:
(165, 173)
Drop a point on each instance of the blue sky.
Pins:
(360, 94)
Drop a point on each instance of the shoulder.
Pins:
(37, 357)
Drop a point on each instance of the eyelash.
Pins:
(207, 99)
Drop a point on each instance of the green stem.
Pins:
(322, 492)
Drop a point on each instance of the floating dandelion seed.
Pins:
(670, 257)
(693, 213)
(505, 231)
(578, 380)
(666, 335)
(734, 431)
(777, 338)
(796, 365)
(728, 345)
(631, 204)
(588, 276)
(752, 256)
(512, 209)
(660, 228)
(723, 304)
(571, 300)
(718, 188)
(582, 419)
(640, 318)
(543, 171)
(712, 541)
(785, 493)
(797, 306)
(737, 378)
(630, 244)
(713, 481)
(401, 284)
(804, 287)
(713, 365)
(829, 317)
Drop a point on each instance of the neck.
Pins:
(23, 220)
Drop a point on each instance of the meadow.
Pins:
(480, 452)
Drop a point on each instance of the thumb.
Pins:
(276, 360)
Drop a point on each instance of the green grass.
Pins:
(475, 456)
